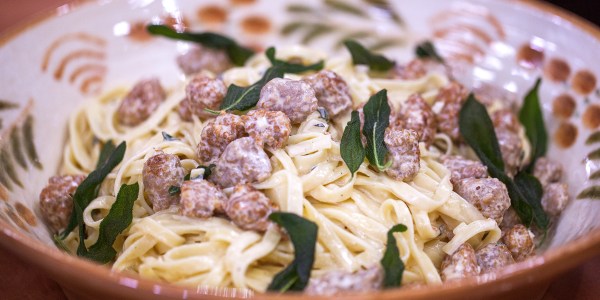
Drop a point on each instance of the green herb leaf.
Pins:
(377, 119)
(303, 234)
(118, 219)
(88, 191)
(244, 98)
(236, 53)
(533, 121)
(107, 149)
(426, 50)
(525, 191)
(477, 129)
(323, 113)
(362, 56)
(167, 137)
(174, 190)
(351, 147)
(288, 67)
(393, 266)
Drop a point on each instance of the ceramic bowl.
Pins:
(54, 64)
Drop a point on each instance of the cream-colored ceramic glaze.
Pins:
(61, 63)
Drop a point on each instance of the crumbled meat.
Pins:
(488, 195)
(519, 241)
(56, 200)
(201, 199)
(415, 69)
(509, 220)
(452, 96)
(511, 148)
(295, 98)
(547, 171)
(204, 92)
(336, 282)
(243, 161)
(331, 91)
(461, 264)
(403, 147)
(199, 58)
(491, 95)
(493, 257)
(507, 119)
(160, 173)
(417, 115)
(249, 209)
(184, 110)
(143, 99)
(268, 127)
(555, 198)
(217, 134)
(445, 232)
(461, 168)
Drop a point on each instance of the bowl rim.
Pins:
(52, 260)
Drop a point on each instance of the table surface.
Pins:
(20, 280)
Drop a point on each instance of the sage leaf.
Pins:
(167, 137)
(118, 219)
(303, 234)
(532, 192)
(426, 50)
(88, 191)
(377, 119)
(362, 56)
(351, 147)
(236, 53)
(393, 267)
(107, 149)
(288, 67)
(533, 121)
(244, 98)
(174, 190)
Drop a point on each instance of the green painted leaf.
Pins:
(377, 119)
(303, 234)
(592, 192)
(17, 150)
(244, 98)
(351, 147)
(236, 53)
(288, 67)
(118, 219)
(533, 121)
(362, 56)
(345, 7)
(315, 31)
(594, 155)
(385, 43)
(595, 175)
(29, 144)
(426, 50)
(6, 163)
(5, 105)
(593, 138)
(292, 27)
(299, 8)
(393, 266)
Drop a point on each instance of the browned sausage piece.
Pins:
(243, 161)
(507, 127)
(461, 168)
(160, 172)
(488, 195)
(417, 115)
(547, 171)
(143, 99)
(555, 198)
(295, 98)
(249, 209)
(217, 134)
(452, 96)
(201, 199)
(509, 220)
(519, 241)
(461, 264)
(199, 58)
(413, 70)
(56, 200)
(403, 147)
(203, 92)
(331, 91)
(493, 257)
(336, 282)
(268, 127)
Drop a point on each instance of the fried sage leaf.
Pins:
(118, 219)
(362, 56)
(377, 119)
(393, 266)
(533, 121)
(288, 67)
(303, 234)
(351, 147)
(236, 53)
(426, 50)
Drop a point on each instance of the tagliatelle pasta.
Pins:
(309, 178)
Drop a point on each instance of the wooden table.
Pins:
(19, 280)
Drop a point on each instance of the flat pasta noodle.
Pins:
(309, 178)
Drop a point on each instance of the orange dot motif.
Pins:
(565, 135)
(591, 116)
(212, 15)
(563, 106)
(557, 70)
(584, 82)
(256, 25)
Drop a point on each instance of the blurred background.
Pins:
(589, 9)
